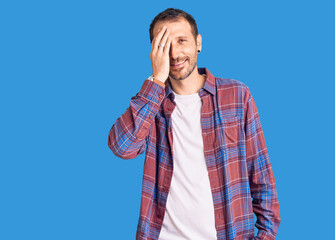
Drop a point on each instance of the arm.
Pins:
(127, 136)
(261, 178)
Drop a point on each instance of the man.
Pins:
(206, 168)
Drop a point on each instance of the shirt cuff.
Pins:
(153, 79)
(159, 82)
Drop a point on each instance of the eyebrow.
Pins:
(181, 37)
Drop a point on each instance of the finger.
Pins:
(154, 40)
(158, 38)
(167, 45)
(163, 41)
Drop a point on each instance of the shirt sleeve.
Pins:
(262, 183)
(127, 137)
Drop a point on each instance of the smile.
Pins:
(176, 65)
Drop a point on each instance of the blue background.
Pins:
(69, 68)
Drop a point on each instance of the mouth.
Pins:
(179, 64)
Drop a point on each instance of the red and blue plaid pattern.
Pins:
(239, 169)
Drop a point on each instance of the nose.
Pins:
(174, 51)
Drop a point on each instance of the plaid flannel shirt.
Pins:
(239, 169)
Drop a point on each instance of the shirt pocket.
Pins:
(231, 129)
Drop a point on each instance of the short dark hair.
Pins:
(173, 14)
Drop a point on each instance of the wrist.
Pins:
(159, 77)
(156, 80)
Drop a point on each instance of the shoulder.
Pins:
(231, 96)
(229, 85)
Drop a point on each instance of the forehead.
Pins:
(176, 27)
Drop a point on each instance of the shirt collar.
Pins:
(209, 85)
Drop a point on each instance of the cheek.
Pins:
(190, 51)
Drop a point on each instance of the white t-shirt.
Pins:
(189, 209)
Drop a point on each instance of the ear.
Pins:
(199, 42)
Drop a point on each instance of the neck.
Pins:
(190, 85)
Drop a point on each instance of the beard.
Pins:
(189, 70)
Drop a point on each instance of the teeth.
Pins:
(178, 63)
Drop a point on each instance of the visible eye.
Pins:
(182, 40)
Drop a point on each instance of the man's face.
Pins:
(183, 49)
